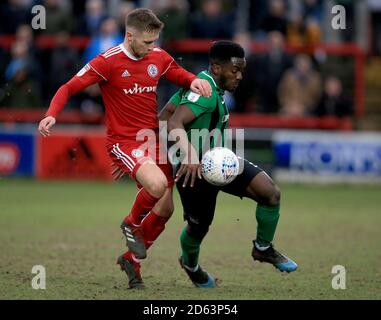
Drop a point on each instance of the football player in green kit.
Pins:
(187, 110)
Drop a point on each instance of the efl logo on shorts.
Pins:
(9, 158)
(152, 70)
(137, 153)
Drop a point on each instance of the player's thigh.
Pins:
(199, 202)
(165, 207)
(238, 187)
(263, 190)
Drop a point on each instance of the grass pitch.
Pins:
(72, 229)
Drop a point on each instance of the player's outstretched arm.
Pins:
(187, 80)
(84, 78)
(45, 125)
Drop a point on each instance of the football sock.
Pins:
(267, 219)
(128, 255)
(190, 249)
(143, 203)
(152, 226)
(261, 245)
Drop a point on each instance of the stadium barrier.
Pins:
(9, 116)
(78, 153)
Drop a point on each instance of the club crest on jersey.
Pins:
(83, 70)
(137, 153)
(152, 70)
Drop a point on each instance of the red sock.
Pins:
(152, 226)
(143, 203)
(128, 255)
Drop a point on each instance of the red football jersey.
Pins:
(128, 86)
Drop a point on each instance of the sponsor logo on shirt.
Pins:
(152, 70)
(137, 89)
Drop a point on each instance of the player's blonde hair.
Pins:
(143, 19)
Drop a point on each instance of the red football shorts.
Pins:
(130, 156)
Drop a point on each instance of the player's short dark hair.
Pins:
(222, 51)
(143, 19)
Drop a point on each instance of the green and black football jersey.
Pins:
(211, 113)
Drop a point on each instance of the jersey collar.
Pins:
(218, 89)
(127, 53)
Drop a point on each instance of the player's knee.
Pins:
(197, 231)
(273, 199)
(157, 187)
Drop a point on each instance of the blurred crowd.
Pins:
(275, 81)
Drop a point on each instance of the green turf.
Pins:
(72, 229)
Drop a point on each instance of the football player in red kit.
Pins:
(128, 76)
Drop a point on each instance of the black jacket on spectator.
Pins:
(339, 106)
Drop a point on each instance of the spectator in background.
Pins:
(255, 12)
(313, 10)
(13, 14)
(299, 90)
(303, 33)
(24, 33)
(211, 22)
(334, 102)
(58, 19)
(108, 37)
(276, 20)
(258, 88)
(270, 68)
(21, 59)
(124, 9)
(3, 65)
(64, 62)
(175, 17)
(89, 23)
(21, 91)
(242, 99)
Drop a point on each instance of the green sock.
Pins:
(267, 219)
(190, 249)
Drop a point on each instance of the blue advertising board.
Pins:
(17, 154)
(328, 154)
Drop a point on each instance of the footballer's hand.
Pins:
(190, 171)
(201, 86)
(45, 125)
